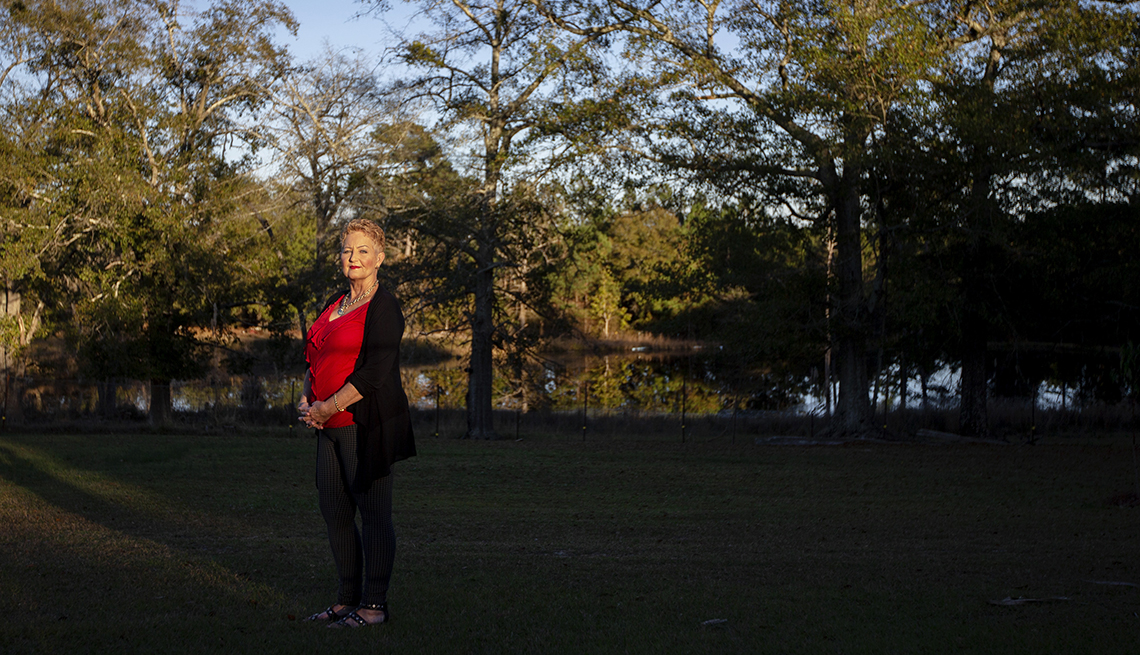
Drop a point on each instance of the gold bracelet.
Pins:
(336, 404)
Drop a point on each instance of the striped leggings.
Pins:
(370, 549)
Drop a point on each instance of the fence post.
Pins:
(684, 397)
(735, 409)
(585, 405)
(1033, 417)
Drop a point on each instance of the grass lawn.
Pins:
(175, 543)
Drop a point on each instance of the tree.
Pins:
(802, 106)
(1018, 83)
(497, 68)
(605, 305)
(26, 233)
(797, 101)
(141, 109)
(325, 115)
(1030, 112)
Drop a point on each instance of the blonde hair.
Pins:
(369, 228)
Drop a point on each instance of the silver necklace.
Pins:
(344, 306)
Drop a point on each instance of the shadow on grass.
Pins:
(179, 543)
(86, 550)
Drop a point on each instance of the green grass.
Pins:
(177, 543)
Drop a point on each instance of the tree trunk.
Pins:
(924, 377)
(827, 374)
(982, 214)
(480, 419)
(878, 318)
(12, 361)
(107, 389)
(853, 409)
(302, 326)
(904, 375)
(480, 379)
(11, 310)
(13, 390)
(161, 410)
(973, 386)
(973, 391)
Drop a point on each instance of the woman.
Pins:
(352, 394)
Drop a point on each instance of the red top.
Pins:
(331, 351)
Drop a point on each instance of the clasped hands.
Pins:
(315, 415)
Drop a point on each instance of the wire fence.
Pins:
(250, 402)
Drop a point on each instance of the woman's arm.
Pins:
(303, 407)
(306, 392)
(323, 410)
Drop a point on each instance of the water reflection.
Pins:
(631, 383)
(636, 383)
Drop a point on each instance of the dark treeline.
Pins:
(843, 196)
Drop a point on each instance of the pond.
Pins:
(639, 381)
(643, 381)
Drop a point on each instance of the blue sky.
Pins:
(335, 21)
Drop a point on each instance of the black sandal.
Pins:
(330, 615)
(359, 621)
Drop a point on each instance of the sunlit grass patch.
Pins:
(71, 579)
(181, 543)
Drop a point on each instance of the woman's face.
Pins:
(360, 259)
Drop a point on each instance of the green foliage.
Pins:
(130, 196)
(495, 72)
(605, 305)
(902, 183)
(420, 54)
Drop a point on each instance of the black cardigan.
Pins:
(383, 421)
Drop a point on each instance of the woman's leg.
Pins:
(375, 543)
(379, 540)
(336, 464)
